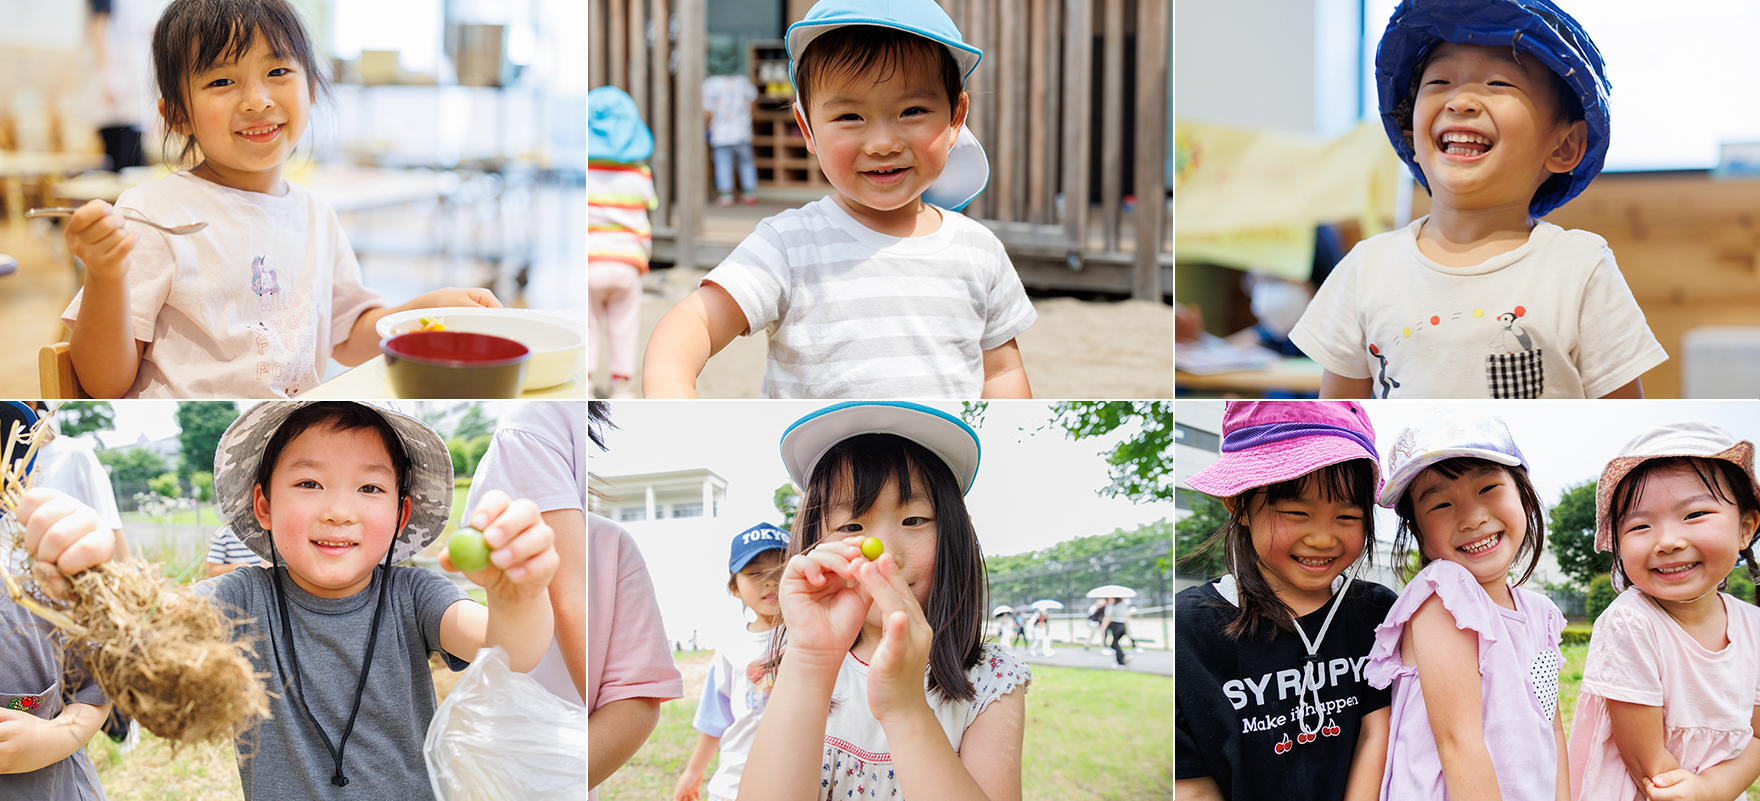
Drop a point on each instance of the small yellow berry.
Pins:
(872, 548)
(468, 551)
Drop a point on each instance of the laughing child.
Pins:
(1480, 299)
(880, 290)
(738, 683)
(332, 495)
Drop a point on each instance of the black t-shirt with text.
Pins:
(1236, 701)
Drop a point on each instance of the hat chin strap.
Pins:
(1309, 680)
(293, 654)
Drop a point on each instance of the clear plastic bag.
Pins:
(500, 736)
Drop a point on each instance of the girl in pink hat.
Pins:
(1269, 699)
(1472, 661)
(1669, 699)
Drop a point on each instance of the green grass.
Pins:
(1089, 734)
(209, 516)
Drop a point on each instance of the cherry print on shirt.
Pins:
(1331, 729)
(1306, 737)
(1284, 746)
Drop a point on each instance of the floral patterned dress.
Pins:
(857, 763)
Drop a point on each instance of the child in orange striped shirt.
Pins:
(620, 192)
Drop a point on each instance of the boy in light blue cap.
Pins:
(1500, 110)
(880, 290)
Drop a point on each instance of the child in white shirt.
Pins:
(1479, 299)
(256, 304)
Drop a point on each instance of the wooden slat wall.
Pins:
(1688, 246)
(1032, 101)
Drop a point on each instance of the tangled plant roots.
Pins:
(166, 658)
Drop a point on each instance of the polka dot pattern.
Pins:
(1543, 677)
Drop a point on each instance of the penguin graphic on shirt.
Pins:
(1513, 338)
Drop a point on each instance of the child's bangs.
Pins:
(1722, 479)
(876, 52)
(857, 470)
(1349, 482)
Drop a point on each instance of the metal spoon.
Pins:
(176, 230)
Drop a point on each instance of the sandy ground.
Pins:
(1077, 349)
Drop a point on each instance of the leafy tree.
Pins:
(1600, 596)
(135, 465)
(74, 418)
(973, 412)
(1142, 466)
(475, 423)
(1139, 558)
(461, 460)
(200, 424)
(1208, 516)
(788, 502)
(165, 485)
(203, 481)
(475, 449)
(1572, 536)
(1740, 585)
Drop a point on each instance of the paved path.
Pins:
(1158, 662)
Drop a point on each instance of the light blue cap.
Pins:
(968, 168)
(615, 131)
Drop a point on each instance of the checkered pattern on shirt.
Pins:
(1515, 375)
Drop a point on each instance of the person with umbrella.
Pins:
(1115, 618)
(1041, 625)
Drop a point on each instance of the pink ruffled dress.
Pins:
(1640, 655)
(1519, 662)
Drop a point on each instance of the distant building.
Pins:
(663, 499)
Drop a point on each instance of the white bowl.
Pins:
(558, 344)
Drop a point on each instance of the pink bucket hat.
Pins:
(1268, 442)
(1672, 439)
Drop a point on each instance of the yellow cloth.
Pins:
(1251, 199)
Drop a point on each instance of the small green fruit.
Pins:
(468, 550)
(872, 548)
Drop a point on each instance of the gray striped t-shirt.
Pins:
(854, 313)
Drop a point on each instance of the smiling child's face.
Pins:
(332, 508)
(1475, 520)
(247, 116)
(1680, 540)
(1485, 127)
(1304, 543)
(883, 138)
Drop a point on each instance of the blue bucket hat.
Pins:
(615, 131)
(1535, 27)
(968, 169)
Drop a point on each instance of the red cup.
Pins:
(454, 364)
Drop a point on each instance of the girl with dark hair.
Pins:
(1269, 697)
(1668, 706)
(237, 80)
(1472, 661)
(885, 688)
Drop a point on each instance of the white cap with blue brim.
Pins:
(946, 436)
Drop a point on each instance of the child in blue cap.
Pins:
(880, 290)
(620, 193)
(739, 678)
(1499, 107)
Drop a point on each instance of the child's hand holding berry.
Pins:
(524, 555)
(821, 600)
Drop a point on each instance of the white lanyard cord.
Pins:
(1310, 681)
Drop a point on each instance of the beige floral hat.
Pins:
(1672, 439)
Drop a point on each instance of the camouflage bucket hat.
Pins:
(241, 452)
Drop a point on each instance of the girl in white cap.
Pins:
(1669, 700)
(1269, 697)
(885, 688)
(1473, 662)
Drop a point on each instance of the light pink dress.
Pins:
(1639, 655)
(1519, 662)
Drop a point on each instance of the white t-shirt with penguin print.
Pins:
(1550, 319)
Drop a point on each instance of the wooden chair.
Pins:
(55, 372)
